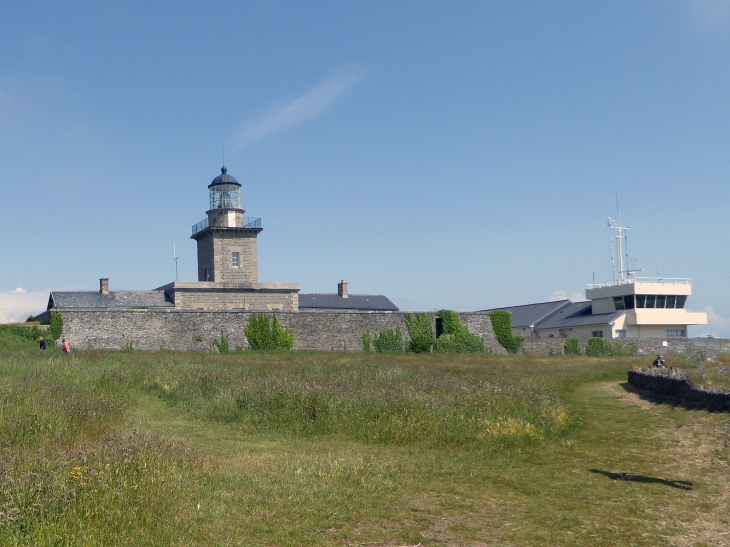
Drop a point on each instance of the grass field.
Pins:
(349, 449)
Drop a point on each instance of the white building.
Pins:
(628, 307)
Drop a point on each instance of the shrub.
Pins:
(502, 325)
(618, 349)
(281, 338)
(595, 347)
(366, 343)
(389, 341)
(55, 329)
(459, 343)
(30, 319)
(221, 345)
(262, 335)
(571, 347)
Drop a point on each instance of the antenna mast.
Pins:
(619, 255)
(175, 257)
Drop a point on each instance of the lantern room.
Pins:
(225, 191)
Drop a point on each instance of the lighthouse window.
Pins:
(670, 301)
(660, 300)
(650, 300)
(681, 299)
(640, 300)
(234, 260)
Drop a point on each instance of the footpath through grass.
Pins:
(335, 449)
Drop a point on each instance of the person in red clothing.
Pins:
(66, 347)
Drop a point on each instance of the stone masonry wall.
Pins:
(226, 300)
(178, 329)
(645, 346)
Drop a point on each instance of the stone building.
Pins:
(228, 273)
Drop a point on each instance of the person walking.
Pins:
(42, 343)
(66, 347)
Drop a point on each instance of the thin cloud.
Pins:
(308, 106)
(710, 16)
(20, 290)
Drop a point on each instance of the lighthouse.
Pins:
(227, 241)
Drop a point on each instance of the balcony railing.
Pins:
(200, 226)
(248, 222)
(668, 280)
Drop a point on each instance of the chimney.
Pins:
(104, 285)
(342, 289)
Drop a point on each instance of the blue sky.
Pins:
(449, 155)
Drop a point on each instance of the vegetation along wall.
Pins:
(185, 330)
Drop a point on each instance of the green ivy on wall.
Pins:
(502, 325)
(420, 331)
(389, 341)
(456, 337)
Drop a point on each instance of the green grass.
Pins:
(349, 449)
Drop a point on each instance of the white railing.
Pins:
(667, 280)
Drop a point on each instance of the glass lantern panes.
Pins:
(223, 196)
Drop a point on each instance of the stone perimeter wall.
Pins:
(177, 329)
(647, 346)
(679, 386)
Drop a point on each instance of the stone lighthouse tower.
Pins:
(228, 263)
(227, 245)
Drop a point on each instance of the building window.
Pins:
(597, 334)
(650, 299)
(670, 301)
(676, 332)
(681, 299)
(629, 302)
(640, 300)
(618, 302)
(660, 298)
(621, 333)
(234, 260)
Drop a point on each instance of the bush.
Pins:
(571, 347)
(221, 345)
(595, 347)
(502, 325)
(389, 341)
(55, 329)
(366, 343)
(262, 335)
(281, 338)
(459, 343)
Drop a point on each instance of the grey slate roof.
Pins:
(577, 314)
(115, 299)
(366, 302)
(531, 314)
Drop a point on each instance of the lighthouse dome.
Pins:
(224, 178)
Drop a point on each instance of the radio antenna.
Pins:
(175, 257)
